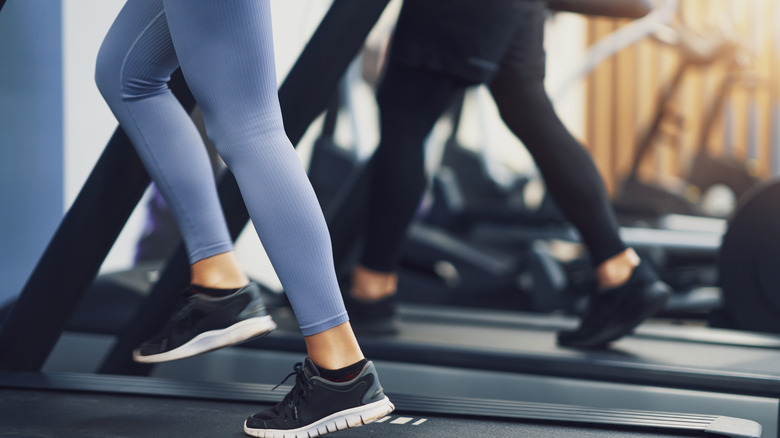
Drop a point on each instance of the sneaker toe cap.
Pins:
(263, 416)
(148, 349)
(255, 423)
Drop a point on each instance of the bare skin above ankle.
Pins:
(617, 270)
(369, 285)
(221, 271)
(334, 348)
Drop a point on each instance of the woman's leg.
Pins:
(629, 292)
(226, 54)
(133, 67)
(410, 101)
(237, 91)
(571, 177)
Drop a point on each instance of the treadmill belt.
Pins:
(437, 336)
(66, 405)
(64, 414)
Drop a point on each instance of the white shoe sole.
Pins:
(347, 419)
(213, 340)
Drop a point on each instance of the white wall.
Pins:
(565, 44)
(88, 121)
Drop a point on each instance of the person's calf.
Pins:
(371, 302)
(369, 285)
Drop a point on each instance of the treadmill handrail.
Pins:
(531, 321)
(638, 237)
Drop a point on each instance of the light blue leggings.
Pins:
(225, 50)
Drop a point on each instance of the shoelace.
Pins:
(288, 407)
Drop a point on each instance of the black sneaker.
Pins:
(206, 323)
(372, 318)
(616, 312)
(316, 406)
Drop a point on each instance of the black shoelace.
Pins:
(288, 407)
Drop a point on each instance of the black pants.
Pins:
(411, 99)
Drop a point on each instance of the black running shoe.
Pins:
(372, 318)
(616, 312)
(206, 323)
(316, 406)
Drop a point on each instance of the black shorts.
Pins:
(472, 39)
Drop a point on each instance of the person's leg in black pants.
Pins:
(629, 292)
(568, 169)
(410, 100)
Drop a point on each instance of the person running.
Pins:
(439, 48)
(225, 51)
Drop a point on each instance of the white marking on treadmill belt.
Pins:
(419, 422)
(382, 420)
(401, 420)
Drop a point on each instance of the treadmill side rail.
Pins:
(469, 407)
(734, 427)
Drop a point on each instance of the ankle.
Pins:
(334, 348)
(617, 270)
(344, 374)
(220, 271)
(212, 291)
(370, 285)
(219, 282)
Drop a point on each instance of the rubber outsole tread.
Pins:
(355, 420)
(214, 340)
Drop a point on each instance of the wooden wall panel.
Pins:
(622, 96)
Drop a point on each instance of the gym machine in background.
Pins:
(707, 177)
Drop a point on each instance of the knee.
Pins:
(106, 76)
(119, 76)
(256, 117)
(238, 132)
